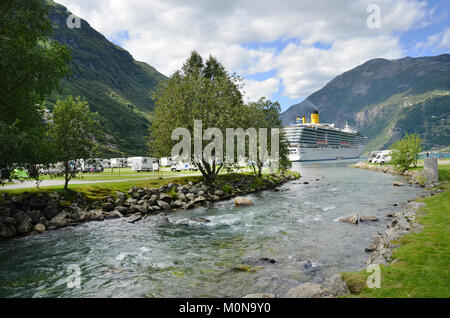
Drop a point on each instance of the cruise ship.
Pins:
(310, 141)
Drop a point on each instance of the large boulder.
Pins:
(199, 200)
(50, 211)
(108, 207)
(351, 219)
(24, 222)
(7, 230)
(163, 205)
(59, 220)
(39, 228)
(368, 218)
(242, 201)
(121, 197)
(337, 286)
(165, 197)
(306, 290)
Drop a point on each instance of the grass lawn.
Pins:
(422, 267)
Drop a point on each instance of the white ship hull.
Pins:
(325, 153)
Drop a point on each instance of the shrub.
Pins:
(227, 189)
(405, 152)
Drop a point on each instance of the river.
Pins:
(295, 226)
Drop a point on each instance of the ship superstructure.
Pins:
(309, 141)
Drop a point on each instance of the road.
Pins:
(49, 183)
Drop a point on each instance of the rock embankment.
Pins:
(402, 223)
(424, 178)
(39, 212)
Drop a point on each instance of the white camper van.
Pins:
(118, 162)
(166, 161)
(142, 163)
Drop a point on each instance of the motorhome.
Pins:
(166, 162)
(142, 163)
(383, 157)
(118, 162)
(373, 155)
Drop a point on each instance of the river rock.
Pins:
(124, 210)
(368, 218)
(261, 295)
(165, 197)
(306, 290)
(415, 205)
(238, 201)
(108, 207)
(134, 218)
(337, 286)
(352, 219)
(59, 220)
(121, 197)
(398, 184)
(50, 211)
(139, 208)
(199, 199)
(181, 196)
(189, 205)
(162, 220)
(163, 205)
(131, 201)
(202, 220)
(219, 193)
(40, 228)
(94, 215)
(7, 230)
(190, 196)
(113, 215)
(179, 204)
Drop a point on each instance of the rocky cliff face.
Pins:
(387, 98)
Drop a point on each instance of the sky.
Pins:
(284, 50)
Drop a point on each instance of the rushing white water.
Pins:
(295, 226)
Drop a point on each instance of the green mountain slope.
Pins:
(115, 85)
(384, 99)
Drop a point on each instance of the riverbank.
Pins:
(39, 211)
(413, 251)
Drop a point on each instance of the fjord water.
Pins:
(295, 226)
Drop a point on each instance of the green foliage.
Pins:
(72, 132)
(266, 114)
(405, 152)
(173, 193)
(31, 67)
(189, 95)
(227, 189)
(115, 85)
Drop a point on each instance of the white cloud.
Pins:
(304, 69)
(436, 41)
(163, 32)
(254, 90)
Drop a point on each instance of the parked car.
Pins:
(181, 166)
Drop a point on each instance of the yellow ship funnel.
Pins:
(304, 120)
(315, 117)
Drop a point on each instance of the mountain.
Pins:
(385, 99)
(114, 84)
